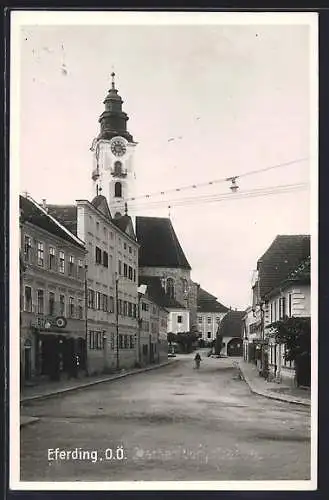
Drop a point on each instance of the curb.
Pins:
(29, 421)
(271, 395)
(94, 382)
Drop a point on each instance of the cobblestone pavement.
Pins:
(171, 424)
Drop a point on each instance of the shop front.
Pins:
(60, 348)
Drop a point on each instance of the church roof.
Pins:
(36, 215)
(157, 293)
(159, 244)
(209, 303)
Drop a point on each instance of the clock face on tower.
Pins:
(118, 147)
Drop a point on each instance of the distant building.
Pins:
(210, 312)
(230, 333)
(53, 327)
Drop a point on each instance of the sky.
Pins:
(236, 98)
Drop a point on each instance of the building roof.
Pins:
(159, 244)
(301, 275)
(67, 214)
(156, 292)
(231, 324)
(203, 295)
(209, 303)
(100, 202)
(281, 258)
(38, 216)
(122, 222)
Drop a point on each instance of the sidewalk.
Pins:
(272, 390)
(48, 389)
(27, 420)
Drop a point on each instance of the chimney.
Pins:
(44, 203)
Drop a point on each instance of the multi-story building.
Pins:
(112, 281)
(291, 298)
(283, 256)
(210, 312)
(53, 326)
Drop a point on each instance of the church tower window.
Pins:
(170, 288)
(118, 168)
(118, 190)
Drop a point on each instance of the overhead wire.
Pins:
(219, 197)
(216, 181)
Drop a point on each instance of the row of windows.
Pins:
(47, 304)
(54, 260)
(103, 302)
(105, 232)
(274, 353)
(100, 301)
(280, 308)
(96, 340)
(126, 271)
(126, 308)
(209, 319)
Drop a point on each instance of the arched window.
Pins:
(117, 168)
(118, 190)
(170, 288)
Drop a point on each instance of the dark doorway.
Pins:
(235, 347)
(303, 370)
(28, 362)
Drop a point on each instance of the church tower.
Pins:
(113, 173)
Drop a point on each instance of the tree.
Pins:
(218, 344)
(295, 334)
(171, 337)
(186, 340)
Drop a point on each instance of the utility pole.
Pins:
(117, 319)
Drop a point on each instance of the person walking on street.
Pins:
(197, 360)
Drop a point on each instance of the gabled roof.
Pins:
(209, 303)
(156, 293)
(67, 214)
(203, 295)
(159, 244)
(36, 215)
(301, 274)
(231, 324)
(282, 257)
(100, 202)
(125, 224)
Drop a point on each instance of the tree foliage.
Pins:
(295, 333)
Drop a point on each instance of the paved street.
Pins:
(174, 423)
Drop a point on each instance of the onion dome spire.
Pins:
(113, 120)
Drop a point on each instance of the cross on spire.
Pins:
(113, 81)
